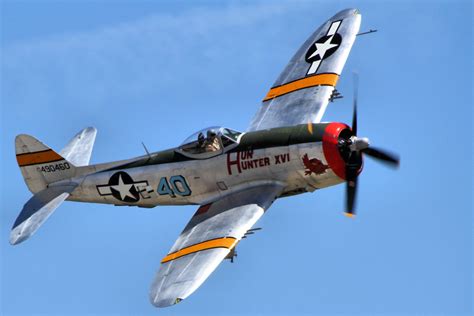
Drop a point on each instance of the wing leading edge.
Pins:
(211, 234)
(302, 91)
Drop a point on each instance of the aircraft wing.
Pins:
(301, 93)
(211, 234)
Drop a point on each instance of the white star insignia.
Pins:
(322, 48)
(123, 189)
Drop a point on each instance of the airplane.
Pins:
(233, 177)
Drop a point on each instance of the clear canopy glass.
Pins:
(209, 142)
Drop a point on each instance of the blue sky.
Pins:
(157, 72)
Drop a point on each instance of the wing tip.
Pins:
(164, 302)
(348, 12)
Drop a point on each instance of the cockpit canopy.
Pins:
(209, 142)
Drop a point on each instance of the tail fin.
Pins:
(41, 166)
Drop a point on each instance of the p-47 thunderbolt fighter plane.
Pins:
(234, 177)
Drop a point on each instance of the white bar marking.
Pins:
(314, 67)
(334, 27)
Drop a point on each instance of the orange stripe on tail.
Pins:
(38, 157)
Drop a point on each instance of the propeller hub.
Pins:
(358, 143)
(336, 150)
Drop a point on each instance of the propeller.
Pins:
(383, 156)
(355, 147)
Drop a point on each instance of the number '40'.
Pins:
(177, 185)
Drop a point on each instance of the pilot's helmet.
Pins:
(211, 133)
(200, 137)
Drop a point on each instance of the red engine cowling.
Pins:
(334, 154)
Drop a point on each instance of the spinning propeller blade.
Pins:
(358, 146)
(354, 103)
(383, 156)
(351, 182)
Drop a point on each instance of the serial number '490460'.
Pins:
(55, 167)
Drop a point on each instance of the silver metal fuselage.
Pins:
(210, 179)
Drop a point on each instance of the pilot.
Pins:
(201, 140)
(201, 144)
(212, 142)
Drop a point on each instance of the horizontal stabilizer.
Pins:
(79, 149)
(37, 210)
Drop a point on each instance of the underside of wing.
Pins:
(301, 93)
(211, 234)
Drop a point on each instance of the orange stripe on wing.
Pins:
(226, 242)
(37, 157)
(307, 82)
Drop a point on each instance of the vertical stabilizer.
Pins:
(42, 168)
(39, 164)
